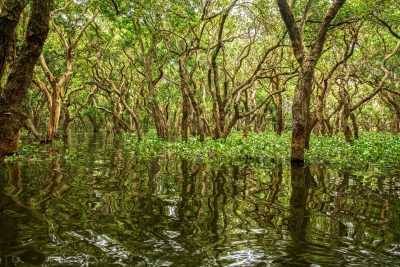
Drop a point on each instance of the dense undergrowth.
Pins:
(380, 150)
(371, 149)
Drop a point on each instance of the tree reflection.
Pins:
(12, 250)
(299, 217)
(113, 206)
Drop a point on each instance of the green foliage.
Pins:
(375, 151)
(370, 150)
(257, 147)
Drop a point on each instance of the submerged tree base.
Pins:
(9, 135)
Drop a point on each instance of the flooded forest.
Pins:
(200, 133)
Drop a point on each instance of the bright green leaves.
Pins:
(380, 150)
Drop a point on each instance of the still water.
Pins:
(94, 203)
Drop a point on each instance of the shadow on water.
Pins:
(95, 203)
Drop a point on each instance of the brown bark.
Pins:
(20, 76)
(9, 17)
(301, 111)
(55, 113)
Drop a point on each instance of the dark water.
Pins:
(99, 205)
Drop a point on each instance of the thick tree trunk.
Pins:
(301, 111)
(159, 121)
(20, 77)
(9, 17)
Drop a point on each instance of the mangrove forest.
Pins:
(200, 133)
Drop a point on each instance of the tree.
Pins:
(307, 58)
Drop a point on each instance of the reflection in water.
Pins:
(12, 249)
(96, 204)
(299, 216)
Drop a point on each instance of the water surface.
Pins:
(95, 203)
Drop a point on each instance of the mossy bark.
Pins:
(20, 77)
(9, 17)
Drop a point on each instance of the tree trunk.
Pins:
(66, 121)
(185, 117)
(200, 121)
(321, 121)
(396, 123)
(346, 112)
(279, 120)
(20, 77)
(394, 105)
(355, 125)
(279, 127)
(9, 17)
(55, 114)
(348, 136)
(301, 111)
(336, 128)
(159, 121)
(277, 100)
(32, 129)
(93, 120)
